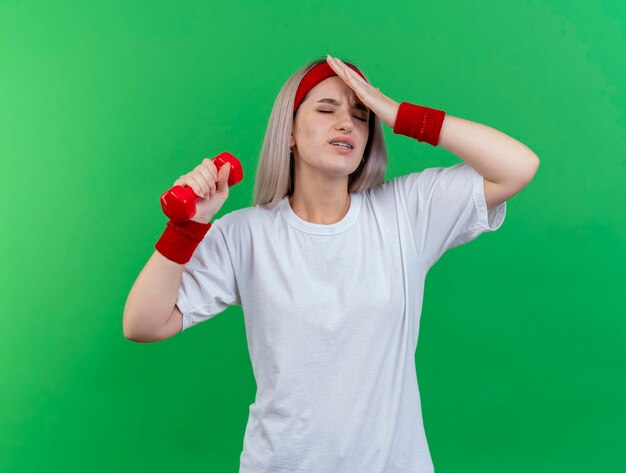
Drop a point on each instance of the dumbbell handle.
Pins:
(179, 202)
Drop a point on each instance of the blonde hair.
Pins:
(275, 172)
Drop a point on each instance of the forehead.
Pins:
(333, 87)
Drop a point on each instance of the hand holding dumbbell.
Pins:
(200, 194)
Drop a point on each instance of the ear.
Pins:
(292, 141)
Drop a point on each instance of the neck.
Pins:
(321, 208)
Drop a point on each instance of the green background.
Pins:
(521, 358)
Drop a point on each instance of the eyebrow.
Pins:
(360, 106)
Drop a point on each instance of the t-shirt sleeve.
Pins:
(208, 284)
(446, 207)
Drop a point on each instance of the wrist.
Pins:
(421, 123)
(179, 240)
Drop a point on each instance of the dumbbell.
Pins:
(179, 202)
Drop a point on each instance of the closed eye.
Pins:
(329, 111)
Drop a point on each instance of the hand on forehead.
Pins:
(335, 91)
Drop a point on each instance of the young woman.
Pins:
(329, 268)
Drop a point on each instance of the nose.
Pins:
(345, 120)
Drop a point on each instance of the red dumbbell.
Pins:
(179, 203)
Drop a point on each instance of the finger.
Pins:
(351, 73)
(210, 165)
(337, 66)
(186, 181)
(340, 65)
(356, 79)
(353, 80)
(207, 176)
(196, 183)
(222, 183)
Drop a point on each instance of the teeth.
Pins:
(339, 143)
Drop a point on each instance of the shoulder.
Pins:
(242, 221)
(234, 219)
(440, 176)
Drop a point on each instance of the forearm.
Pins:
(152, 297)
(493, 154)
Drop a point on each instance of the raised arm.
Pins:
(150, 313)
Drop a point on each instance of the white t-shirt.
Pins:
(332, 317)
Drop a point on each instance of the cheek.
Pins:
(313, 137)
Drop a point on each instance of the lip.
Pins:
(343, 138)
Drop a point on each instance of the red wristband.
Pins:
(421, 123)
(179, 241)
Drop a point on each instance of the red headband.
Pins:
(316, 75)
